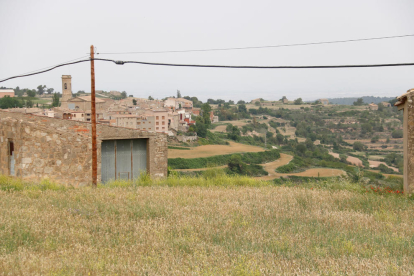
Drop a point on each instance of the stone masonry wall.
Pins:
(61, 149)
(409, 145)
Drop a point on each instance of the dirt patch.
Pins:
(353, 160)
(374, 164)
(220, 128)
(211, 150)
(285, 159)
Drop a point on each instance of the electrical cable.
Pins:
(44, 71)
(54, 65)
(119, 62)
(261, 67)
(259, 47)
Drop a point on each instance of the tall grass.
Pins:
(208, 225)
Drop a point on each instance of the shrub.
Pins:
(249, 158)
(358, 146)
(398, 133)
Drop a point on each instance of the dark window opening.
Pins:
(11, 148)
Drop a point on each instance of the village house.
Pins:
(82, 103)
(115, 93)
(35, 147)
(6, 92)
(324, 101)
(285, 101)
(385, 104)
(373, 106)
(161, 118)
(178, 103)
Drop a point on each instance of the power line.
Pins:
(259, 47)
(44, 71)
(120, 62)
(262, 67)
(54, 65)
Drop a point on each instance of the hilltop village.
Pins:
(169, 116)
(272, 140)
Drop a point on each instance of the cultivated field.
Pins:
(161, 230)
(353, 160)
(211, 150)
(374, 164)
(285, 159)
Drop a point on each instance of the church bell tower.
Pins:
(66, 88)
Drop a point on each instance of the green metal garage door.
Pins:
(123, 159)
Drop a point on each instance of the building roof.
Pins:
(87, 99)
(6, 90)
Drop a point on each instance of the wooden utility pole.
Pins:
(93, 114)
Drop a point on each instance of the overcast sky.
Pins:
(37, 34)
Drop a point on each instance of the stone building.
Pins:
(66, 88)
(34, 147)
(6, 92)
(405, 103)
(324, 101)
(373, 106)
(178, 103)
(84, 103)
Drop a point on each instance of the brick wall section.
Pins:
(61, 149)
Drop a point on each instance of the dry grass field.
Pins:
(374, 164)
(184, 230)
(220, 128)
(353, 160)
(285, 159)
(211, 150)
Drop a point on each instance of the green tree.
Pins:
(206, 109)
(123, 95)
(50, 90)
(201, 127)
(41, 89)
(343, 158)
(55, 100)
(398, 133)
(242, 108)
(280, 138)
(358, 146)
(235, 163)
(31, 93)
(298, 101)
(29, 103)
(9, 102)
(178, 94)
(134, 102)
(150, 98)
(301, 148)
(359, 102)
